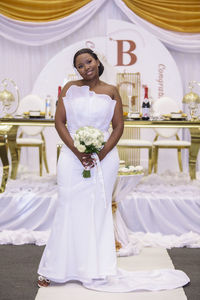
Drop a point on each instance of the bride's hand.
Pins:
(87, 160)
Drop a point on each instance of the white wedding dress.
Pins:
(81, 245)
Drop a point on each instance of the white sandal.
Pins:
(42, 281)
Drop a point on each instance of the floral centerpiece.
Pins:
(130, 170)
(88, 139)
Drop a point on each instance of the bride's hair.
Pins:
(93, 54)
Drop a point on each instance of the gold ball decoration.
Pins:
(191, 97)
(6, 97)
(8, 101)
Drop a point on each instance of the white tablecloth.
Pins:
(168, 204)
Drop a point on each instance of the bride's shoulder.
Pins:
(69, 84)
(111, 90)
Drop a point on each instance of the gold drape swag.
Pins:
(40, 10)
(175, 15)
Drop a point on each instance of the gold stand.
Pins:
(12, 135)
(4, 159)
(8, 135)
(193, 151)
(118, 245)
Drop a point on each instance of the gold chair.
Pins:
(170, 138)
(32, 102)
(59, 146)
(129, 86)
(5, 163)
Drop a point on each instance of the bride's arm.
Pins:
(60, 122)
(60, 125)
(117, 125)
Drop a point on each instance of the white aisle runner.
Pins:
(148, 259)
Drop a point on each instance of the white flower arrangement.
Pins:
(88, 139)
(130, 170)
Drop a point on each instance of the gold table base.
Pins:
(193, 151)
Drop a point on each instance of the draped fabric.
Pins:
(185, 42)
(176, 15)
(40, 10)
(182, 16)
(28, 206)
(37, 34)
(43, 33)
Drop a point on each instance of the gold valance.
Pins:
(40, 10)
(175, 15)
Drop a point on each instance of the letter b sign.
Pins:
(121, 52)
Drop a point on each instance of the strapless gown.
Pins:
(81, 245)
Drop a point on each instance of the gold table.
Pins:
(11, 127)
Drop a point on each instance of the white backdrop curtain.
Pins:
(42, 33)
(22, 62)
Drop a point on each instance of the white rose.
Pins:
(95, 143)
(81, 148)
(76, 136)
(76, 144)
(99, 145)
(88, 141)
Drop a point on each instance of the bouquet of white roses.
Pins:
(88, 139)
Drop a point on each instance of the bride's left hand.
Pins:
(88, 161)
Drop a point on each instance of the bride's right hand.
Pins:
(87, 160)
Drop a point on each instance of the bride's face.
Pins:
(87, 66)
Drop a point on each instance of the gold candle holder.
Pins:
(192, 99)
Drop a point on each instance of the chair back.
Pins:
(31, 102)
(165, 105)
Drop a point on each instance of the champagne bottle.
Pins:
(145, 105)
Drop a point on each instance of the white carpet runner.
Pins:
(149, 259)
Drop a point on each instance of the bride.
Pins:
(81, 245)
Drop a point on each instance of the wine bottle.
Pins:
(145, 105)
(59, 91)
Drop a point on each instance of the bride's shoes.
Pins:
(42, 281)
